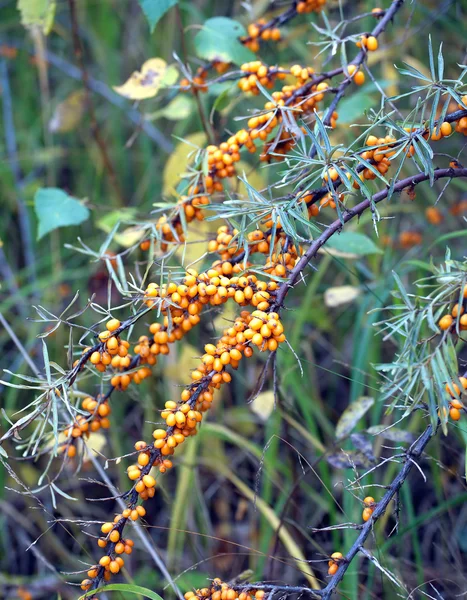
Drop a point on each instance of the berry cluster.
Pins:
(99, 411)
(461, 124)
(369, 42)
(333, 564)
(308, 6)
(260, 31)
(455, 404)
(198, 83)
(434, 215)
(256, 72)
(261, 328)
(223, 591)
(370, 505)
(409, 239)
(111, 347)
(110, 565)
(448, 322)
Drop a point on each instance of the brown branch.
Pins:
(414, 453)
(357, 210)
(95, 129)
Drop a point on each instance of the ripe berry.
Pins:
(366, 514)
(446, 322)
(371, 43)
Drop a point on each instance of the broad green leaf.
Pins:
(178, 109)
(351, 242)
(219, 40)
(354, 106)
(155, 9)
(352, 415)
(38, 13)
(145, 83)
(124, 587)
(55, 208)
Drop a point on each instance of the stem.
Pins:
(95, 129)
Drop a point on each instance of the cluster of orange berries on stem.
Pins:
(448, 322)
(455, 404)
(261, 328)
(99, 412)
(260, 31)
(333, 564)
(369, 508)
(223, 591)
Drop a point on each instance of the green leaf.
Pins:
(351, 242)
(124, 587)
(352, 415)
(178, 109)
(218, 39)
(155, 9)
(55, 208)
(38, 13)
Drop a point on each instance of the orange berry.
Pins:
(366, 514)
(371, 43)
(359, 78)
(445, 322)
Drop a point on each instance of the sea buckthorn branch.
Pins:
(221, 159)
(413, 454)
(357, 62)
(349, 214)
(259, 328)
(182, 418)
(98, 409)
(262, 30)
(338, 563)
(101, 345)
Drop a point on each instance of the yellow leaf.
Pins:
(38, 13)
(179, 159)
(145, 83)
(263, 405)
(225, 318)
(129, 236)
(95, 443)
(342, 294)
(187, 359)
(67, 115)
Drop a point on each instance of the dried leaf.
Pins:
(352, 415)
(179, 159)
(263, 405)
(67, 115)
(348, 460)
(145, 83)
(364, 445)
(342, 294)
(392, 433)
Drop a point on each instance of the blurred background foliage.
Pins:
(254, 465)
